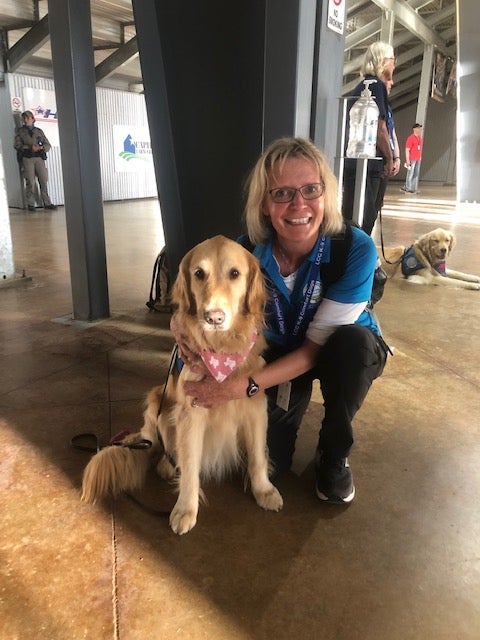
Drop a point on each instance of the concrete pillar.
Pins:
(289, 67)
(74, 74)
(202, 66)
(222, 80)
(425, 87)
(8, 277)
(7, 269)
(327, 106)
(468, 110)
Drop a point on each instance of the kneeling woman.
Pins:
(316, 328)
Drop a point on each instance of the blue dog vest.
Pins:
(411, 264)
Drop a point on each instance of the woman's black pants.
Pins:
(350, 360)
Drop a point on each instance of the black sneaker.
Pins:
(403, 188)
(334, 481)
(51, 206)
(30, 208)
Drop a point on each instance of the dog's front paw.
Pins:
(271, 500)
(182, 520)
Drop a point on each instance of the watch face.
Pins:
(252, 388)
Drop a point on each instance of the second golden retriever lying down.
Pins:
(424, 262)
(220, 296)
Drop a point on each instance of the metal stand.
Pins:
(361, 168)
(360, 182)
(359, 197)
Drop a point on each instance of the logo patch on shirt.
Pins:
(317, 293)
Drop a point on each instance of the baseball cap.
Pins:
(417, 126)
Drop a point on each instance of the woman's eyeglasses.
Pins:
(282, 195)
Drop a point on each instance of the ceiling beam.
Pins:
(28, 44)
(353, 65)
(123, 54)
(354, 6)
(419, 4)
(363, 33)
(409, 18)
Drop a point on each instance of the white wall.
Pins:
(113, 108)
(439, 134)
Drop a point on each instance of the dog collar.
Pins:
(221, 365)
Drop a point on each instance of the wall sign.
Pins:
(336, 15)
(132, 149)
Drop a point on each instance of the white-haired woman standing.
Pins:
(378, 63)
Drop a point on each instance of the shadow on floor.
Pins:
(400, 563)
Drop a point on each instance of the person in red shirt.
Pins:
(413, 158)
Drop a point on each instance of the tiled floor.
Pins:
(401, 563)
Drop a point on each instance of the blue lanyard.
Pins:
(312, 280)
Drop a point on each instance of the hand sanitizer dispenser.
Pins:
(362, 133)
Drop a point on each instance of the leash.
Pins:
(173, 361)
(382, 243)
(115, 441)
(90, 442)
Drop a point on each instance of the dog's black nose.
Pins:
(214, 316)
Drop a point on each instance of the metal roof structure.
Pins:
(411, 25)
(26, 44)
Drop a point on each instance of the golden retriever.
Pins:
(424, 262)
(220, 295)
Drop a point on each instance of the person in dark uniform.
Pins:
(32, 146)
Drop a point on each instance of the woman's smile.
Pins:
(297, 222)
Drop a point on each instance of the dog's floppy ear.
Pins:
(423, 242)
(423, 245)
(452, 243)
(256, 295)
(182, 292)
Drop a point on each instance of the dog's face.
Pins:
(219, 282)
(437, 245)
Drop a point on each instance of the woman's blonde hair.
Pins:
(375, 56)
(271, 162)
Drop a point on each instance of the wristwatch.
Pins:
(252, 388)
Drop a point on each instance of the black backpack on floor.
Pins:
(160, 298)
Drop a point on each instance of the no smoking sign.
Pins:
(16, 104)
(336, 15)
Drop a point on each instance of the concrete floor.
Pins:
(400, 563)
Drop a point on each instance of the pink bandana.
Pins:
(441, 267)
(221, 365)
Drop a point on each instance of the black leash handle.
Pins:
(116, 441)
